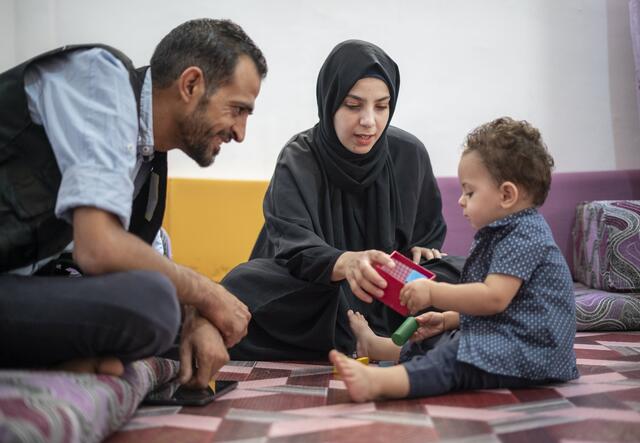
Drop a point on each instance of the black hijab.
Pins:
(369, 176)
(323, 200)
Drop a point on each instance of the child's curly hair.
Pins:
(513, 151)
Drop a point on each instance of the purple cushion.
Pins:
(67, 407)
(598, 310)
(606, 245)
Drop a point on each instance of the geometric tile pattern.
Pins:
(278, 402)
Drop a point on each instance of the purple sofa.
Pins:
(595, 309)
(567, 190)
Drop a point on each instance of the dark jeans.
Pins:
(49, 320)
(434, 369)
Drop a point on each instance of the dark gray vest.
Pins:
(30, 177)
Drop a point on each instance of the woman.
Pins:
(344, 194)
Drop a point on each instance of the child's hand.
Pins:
(416, 295)
(429, 324)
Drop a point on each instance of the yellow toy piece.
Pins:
(363, 360)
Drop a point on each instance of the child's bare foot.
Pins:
(93, 365)
(368, 344)
(362, 331)
(366, 383)
(355, 377)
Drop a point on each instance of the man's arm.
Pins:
(85, 102)
(201, 347)
(102, 245)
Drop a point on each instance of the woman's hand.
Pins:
(428, 253)
(357, 268)
(429, 324)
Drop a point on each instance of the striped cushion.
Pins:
(65, 407)
(606, 245)
(598, 310)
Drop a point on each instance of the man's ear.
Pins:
(191, 84)
(509, 194)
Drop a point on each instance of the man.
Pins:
(83, 142)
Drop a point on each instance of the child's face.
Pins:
(481, 196)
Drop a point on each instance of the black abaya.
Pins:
(322, 201)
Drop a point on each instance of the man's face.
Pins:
(221, 117)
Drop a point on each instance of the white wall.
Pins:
(566, 66)
(7, 34)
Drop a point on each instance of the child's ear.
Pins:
(508, 194)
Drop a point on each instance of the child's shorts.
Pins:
(434, 369)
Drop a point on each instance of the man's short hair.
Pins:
(514, 151)
(212, 45)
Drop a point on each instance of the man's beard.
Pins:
(195, 136)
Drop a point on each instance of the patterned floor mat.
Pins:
(289, 402)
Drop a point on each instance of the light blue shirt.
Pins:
(533, 338)
(85, 103)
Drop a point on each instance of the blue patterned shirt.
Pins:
(533, 338)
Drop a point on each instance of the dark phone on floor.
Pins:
(174, 394)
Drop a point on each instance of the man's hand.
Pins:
(357, 268)
(228, 314)
(101, 245)
(416, 295)
(201, 344)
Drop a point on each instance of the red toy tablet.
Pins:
(404, 272)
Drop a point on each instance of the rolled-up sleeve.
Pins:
(86, 105)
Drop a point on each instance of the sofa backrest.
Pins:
(567, 190)
(213, 224)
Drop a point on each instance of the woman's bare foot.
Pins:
(368, 344)
(365, 383)
(93, 365)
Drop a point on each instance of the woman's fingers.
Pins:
(354, 277)
(417, 253)
(360, 293)
(379, 257)
(372, 281)
(364, 280)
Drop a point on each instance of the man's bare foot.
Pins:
(355, 377)
(368, 344)
(93, 365)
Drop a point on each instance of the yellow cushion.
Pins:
(213, 224)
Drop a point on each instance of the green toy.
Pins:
(406, 330)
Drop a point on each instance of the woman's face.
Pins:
(363, 115)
